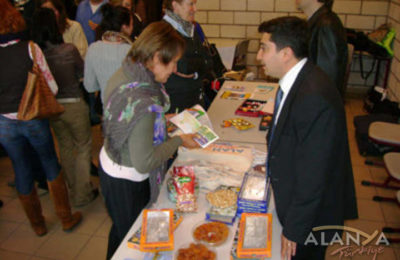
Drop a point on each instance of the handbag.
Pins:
(37, 101)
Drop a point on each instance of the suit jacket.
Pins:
(328, 45)
(309, 159)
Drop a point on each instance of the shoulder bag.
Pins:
(37, 101)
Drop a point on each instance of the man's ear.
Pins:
(287, 53)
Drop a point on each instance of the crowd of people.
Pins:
(143, 71)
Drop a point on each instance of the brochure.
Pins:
(235, 95)
(194, 120)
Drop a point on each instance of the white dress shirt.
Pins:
(286, 83)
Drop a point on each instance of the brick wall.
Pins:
(238, 19)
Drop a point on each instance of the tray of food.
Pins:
(195, 251)
(211, 233)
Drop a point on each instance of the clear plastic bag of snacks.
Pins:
(184, 182)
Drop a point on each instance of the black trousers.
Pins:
(124, 200)
(310, 252)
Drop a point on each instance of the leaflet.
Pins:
(194, 120)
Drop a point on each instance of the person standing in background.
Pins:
(138, 25)
(71, 128)
(328, 42)
(89, 16)
(71, 31)
(105, 56)
(184, 87)
(21, 138)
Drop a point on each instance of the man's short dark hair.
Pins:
(288, 31)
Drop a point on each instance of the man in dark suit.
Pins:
(308, 155)
(328, 42)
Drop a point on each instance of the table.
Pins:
(222, 109)
(183, 235)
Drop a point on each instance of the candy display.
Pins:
(134, 241)
(255, 235)
(213, 233)
(196, 252)
(254, 194)
(238, 123)
(251, 108)
(157, 230)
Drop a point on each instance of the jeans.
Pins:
(74, 136)
(18, 139)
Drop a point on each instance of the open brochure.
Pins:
(194, 120)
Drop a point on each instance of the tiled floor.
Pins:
(89, 240)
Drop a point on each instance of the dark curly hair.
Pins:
(45, 28)
(113, 19)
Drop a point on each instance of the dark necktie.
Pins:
(278, 100)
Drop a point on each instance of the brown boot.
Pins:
(58, 191)
(33, 210)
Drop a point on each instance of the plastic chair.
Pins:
(386, 134)
(391, 229)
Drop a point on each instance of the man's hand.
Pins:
(288, 248)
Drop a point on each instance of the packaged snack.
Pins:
(134, 241)
(157, 230)
(212, 233)
(254, 194)
(251, 108)
(222, 198)
(238, 123)
(265, 123)
(184, 182)
(196, 252)
(223, 204)
(172, 191)
(255, 235)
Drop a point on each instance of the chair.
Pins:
(239, 59)
(391, 229)
(387, 134)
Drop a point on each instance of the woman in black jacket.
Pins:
(185, 86)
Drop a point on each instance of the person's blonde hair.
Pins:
(11, 21)
(157, 37)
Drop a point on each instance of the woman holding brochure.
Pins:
(133, 158)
